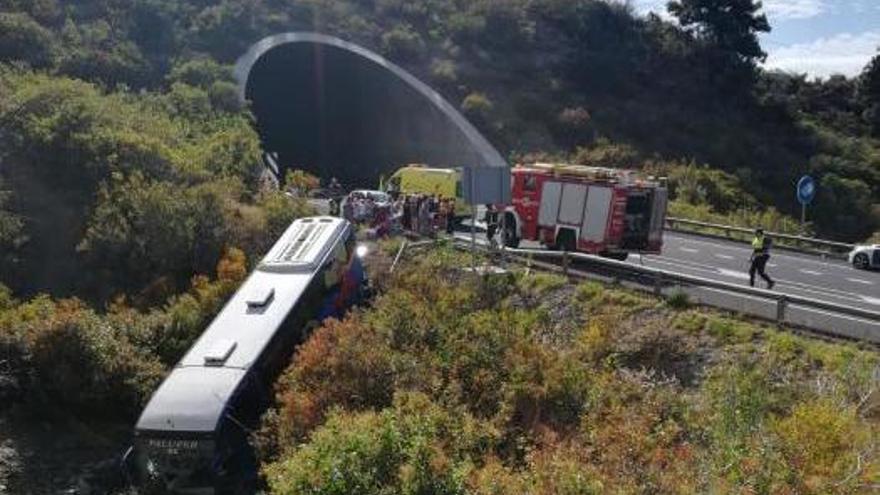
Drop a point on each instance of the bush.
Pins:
(200, 72)
(26, 40)
(444, 70)
(414, 447)
(84, 365)
(825, 444)
(679, 300)
(604, 153)
(224, 97)
(345, 364)
(477, 105)
(403, 44)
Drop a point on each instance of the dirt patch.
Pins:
(649, 341)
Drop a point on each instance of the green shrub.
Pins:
(82, 364)
(414, 447)
(477, 105)
(730, 331)
(690, 321)
(403, 44)
(444, 70)
(25, 39)
(540, 283)
(823, 443)
(679, 300)
(589, 291)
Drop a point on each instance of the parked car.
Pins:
(865, 257)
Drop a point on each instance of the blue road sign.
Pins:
(806, 190)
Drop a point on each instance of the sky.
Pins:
(816, 37)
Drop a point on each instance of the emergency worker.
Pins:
(760, 255)
(491, 219)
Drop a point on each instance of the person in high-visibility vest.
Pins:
(760, 255)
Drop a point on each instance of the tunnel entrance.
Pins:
(336, 109)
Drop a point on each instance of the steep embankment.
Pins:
(524, 383)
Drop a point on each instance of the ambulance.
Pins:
(421, 179)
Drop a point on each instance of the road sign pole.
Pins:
(806, 191)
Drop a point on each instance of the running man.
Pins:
(760, 256)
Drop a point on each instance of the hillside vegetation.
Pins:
(584, 80)
(131, 206)
(524, 383)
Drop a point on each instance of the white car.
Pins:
(865, 257)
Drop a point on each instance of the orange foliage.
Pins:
(232, 267)
(343, 364)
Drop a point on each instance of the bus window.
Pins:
(530, 183)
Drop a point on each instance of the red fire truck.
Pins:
(595, 210)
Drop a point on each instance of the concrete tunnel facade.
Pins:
(336, 109)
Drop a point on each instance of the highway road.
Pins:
(833, 281)
(798, 274)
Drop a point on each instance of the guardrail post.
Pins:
(658, 284)
(565, 263)
(781, 304)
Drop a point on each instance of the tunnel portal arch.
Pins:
(337, 109)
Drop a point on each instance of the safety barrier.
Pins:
(811, 245)
(655, 280)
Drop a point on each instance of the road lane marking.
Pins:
(728, 245)
(871, 300)
(810, 272)
(820, 291)
(724, 256)
(734, 273)
(860, 281)
(689, 250)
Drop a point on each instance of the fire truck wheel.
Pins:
(565, 241)
(510, 238)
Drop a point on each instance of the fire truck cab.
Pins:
(595, 210)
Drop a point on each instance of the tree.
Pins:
(23, 38)
(729, 25)
(869, 90)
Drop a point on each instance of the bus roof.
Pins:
(239, 334)
(190, 399)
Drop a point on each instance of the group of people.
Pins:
(367, 211)
(425, 214)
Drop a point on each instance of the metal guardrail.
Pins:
(810, 245)
(657, 279)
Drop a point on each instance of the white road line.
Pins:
(860, 281)
(688, 250)
(734, 273)
(724, 256)
(810, 272)
(811, 289)
(746, 252)
(871, 300)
